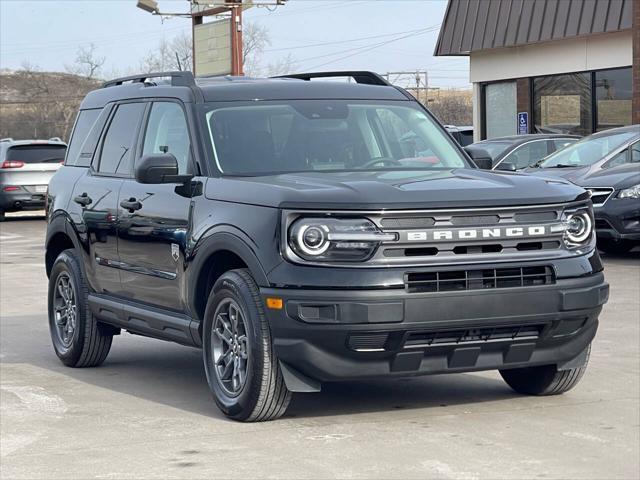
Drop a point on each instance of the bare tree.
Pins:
(255, 38)
(283, 66)
(452, 107)
(176, 54)
(87, 64)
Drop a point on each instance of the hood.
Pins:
(458, 188)
(620, 177)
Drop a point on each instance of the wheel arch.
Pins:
(213, 256)
(59, 237)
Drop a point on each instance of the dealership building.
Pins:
(553, 66)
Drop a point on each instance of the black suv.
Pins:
(302, 232)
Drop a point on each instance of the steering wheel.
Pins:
(382, 160)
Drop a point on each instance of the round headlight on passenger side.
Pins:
(579, 227)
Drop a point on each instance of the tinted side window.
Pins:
(527, 154)
(117, 149)
(167, 132)
(619, 159)
(635, 152)
(85, 121)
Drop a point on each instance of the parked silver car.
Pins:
(26, 166)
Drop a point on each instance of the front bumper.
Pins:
(331, 335)
(618, 219)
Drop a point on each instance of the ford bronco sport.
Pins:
(302, 232)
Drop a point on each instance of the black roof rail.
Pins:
(364, 77)
(178, 79)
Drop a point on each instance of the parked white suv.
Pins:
(26, 166)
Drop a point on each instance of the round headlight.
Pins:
(312, 239)
(579, 227)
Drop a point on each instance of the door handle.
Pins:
(131, 205)
(83, 199)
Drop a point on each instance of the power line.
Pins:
(372, 47)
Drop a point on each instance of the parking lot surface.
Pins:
(147, 412)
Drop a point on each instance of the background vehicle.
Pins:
(463, 135)
(327, 232)
(521, 151)
(607, 164)
(26, 166)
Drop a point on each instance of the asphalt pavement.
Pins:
(147, 412)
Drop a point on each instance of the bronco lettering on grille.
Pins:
(477, 233)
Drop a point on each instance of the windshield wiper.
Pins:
(563, 165)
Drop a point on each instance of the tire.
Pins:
(87, 342)
(260, 394)
(2, 216)
(544, 380)
(616, 248)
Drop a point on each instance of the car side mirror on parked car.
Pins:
(507, 166)
(480, 157)
(159, 168)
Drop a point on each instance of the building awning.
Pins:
(472, 25)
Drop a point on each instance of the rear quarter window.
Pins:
(35, 153)
(84, 124)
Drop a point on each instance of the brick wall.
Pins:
(523, 99)
(636, 61)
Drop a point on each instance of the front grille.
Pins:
(472, 335)
(481, 279)
(600, 195)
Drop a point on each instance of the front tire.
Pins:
(544, 380)
(242, 369)
(78, 339)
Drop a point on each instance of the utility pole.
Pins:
(413, 80)
(206, 8)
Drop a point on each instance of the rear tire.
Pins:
(236, 330)
(544, 380)
(78, 339)
(616, 248)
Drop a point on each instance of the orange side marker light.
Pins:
(274, 303)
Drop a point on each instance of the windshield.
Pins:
(327, 135)
(587, 151)
(494, 149)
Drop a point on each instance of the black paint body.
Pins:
(150, 270)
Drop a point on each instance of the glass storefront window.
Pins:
(614, 98)
(562, 104)
(500, 106)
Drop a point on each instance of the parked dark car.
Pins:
(26, 166)
(608, 165)
(305, 232)
(520, 151)
(462, 135)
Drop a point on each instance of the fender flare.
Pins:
(61, 223)
(222, 238)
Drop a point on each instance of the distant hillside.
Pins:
(37, 104)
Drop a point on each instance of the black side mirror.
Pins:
(159, 168)
(507, 166)
(480, 157)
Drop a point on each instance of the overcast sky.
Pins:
(379, 35)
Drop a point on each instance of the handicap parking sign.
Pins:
(523, 123)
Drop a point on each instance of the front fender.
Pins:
(218, 239)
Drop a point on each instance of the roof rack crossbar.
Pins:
(364, 77)
(178, 79)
